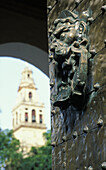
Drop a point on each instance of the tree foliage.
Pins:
(9, 147)
(40, 158)
(12, 159)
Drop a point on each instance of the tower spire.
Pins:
(28, 113)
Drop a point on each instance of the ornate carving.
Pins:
(70, 47)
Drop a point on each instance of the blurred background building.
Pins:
(28, 113)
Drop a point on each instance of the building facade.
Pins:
(28, 114)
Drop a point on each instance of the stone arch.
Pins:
(26, 52)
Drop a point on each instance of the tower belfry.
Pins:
(28, 113)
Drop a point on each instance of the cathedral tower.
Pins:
(28, 114)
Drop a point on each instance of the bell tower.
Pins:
(28, 113)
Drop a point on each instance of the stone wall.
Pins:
(75, 147)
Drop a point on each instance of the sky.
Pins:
(10, 76)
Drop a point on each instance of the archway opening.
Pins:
(10, 77)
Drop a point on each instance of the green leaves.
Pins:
(12, 159)
(40, 158)
(8, 149)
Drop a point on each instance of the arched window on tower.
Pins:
(28, 75)
(33, 116)
(30, 95)
(40, 118)
(26, 117)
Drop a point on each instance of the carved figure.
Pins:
(70, 47)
